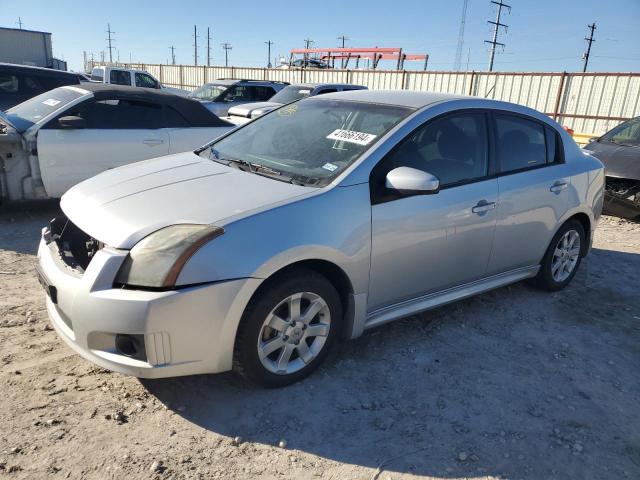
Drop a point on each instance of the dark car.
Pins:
(619, 150)
(20, 82)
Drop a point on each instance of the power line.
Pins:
(496, 28)
(195, 45)
(173, 54)
(227, 47)
(589, 40)
(208, 48)
(109, 44)
(344, 38)
(463, 19)
(269, 43)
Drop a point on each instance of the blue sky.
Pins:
(542, 35)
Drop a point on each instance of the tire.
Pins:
(268, 331)
(551, 277)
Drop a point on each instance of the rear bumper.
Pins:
(187, 331)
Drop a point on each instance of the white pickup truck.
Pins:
(131, 78)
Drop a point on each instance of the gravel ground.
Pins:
(515, 383)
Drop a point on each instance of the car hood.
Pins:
(247, 109)
(121, 206)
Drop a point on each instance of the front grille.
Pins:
(76, 248)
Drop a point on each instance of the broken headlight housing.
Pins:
(157, 260)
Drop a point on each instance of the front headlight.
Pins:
(157, 260)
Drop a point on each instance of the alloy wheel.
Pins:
(565, 256)
(294, 333)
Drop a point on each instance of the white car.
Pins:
(57, 139)
(131, 78)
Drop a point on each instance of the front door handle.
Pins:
(483, 207)
(153, 141)
(558, 186)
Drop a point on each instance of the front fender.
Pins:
(334, 226)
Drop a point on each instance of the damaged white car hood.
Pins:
(121, 206)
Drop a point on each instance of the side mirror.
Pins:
(72, 121)
(412, 180)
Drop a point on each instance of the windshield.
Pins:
(312, 140)
(627, 133)
(291, 94)
(25, 114)
(209, 91)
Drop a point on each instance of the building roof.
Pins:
(24, 30)
(404, 98)
(192, 110)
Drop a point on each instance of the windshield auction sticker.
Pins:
(351, 136)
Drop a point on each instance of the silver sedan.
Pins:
(317, 221)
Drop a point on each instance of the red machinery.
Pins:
(374, 54)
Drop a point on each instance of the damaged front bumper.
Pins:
(149, 334)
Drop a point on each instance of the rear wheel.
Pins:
(562, 259)
(287, 330)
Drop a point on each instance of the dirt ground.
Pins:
(515, 383)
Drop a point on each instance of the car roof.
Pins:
(41, 70)
(195, 112)
(403, 98)
(322, 84)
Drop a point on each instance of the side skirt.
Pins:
(453, 294)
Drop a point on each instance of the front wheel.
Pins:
(562, 259)
(287, 330)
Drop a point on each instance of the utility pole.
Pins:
(84, 60)
(344, 38)
(101, 56)
(19, 23)
(227, 47)
(208, 48)
(110, 40)
(269, 43)
(589, 40)
(307, 44)
(173, 54)
(496, 28)
(195, 45)
(457, 62)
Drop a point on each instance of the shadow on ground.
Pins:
(20, 225)
(514, 383)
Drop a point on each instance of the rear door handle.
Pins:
(483, 207)
(153, 141)
(558, 186)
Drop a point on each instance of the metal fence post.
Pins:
(161, 74)
(473, 76)
(556, 108)
(181, 79)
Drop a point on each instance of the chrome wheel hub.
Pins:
(294, 333)
(565, 256)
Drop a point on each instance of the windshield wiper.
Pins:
(215, 156)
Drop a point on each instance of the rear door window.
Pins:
(262, 94)
(9, 83)
(119, 77)
(520, 143)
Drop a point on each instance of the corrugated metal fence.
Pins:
(585, 102)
